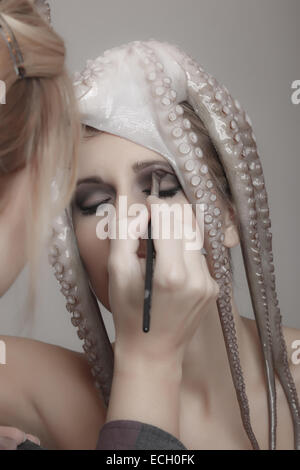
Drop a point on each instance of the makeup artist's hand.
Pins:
(148, 366)
(11, 438)
(182, 290)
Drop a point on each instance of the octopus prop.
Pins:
(136, 91)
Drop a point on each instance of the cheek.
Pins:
(94, 253)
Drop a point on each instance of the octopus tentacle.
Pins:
(81, 302)
(199, 187)
(270, 296)
(285, 376)
(224, 121)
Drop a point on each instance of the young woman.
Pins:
(39, 132)
(158, 378)
(148, 107)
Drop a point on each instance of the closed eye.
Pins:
(165, 193)
(91, 210)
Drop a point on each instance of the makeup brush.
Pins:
(149, 260)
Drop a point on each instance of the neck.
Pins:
(206, 370)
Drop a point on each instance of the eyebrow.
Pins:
(141, 165)
(136, 167)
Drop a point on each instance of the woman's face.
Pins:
(109, 167)
(14, 190)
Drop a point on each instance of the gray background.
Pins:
(252, 47)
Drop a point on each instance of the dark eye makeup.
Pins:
(90, 195)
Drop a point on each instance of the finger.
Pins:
(197, 268)
(167, 238)
(12, 433)
(8, 444)
(124, 247)
(181, 258)
(194, 233)
(34, 439)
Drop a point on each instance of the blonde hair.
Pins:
(39, 124)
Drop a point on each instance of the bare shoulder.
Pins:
(25, 357)
(56, 388)
(292, 340)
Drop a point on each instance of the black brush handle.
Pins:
(149, 260)
(148, 281)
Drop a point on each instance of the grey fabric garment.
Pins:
(127, 435)
(134, 435)
(29, 445)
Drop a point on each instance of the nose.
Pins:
(124, 207)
